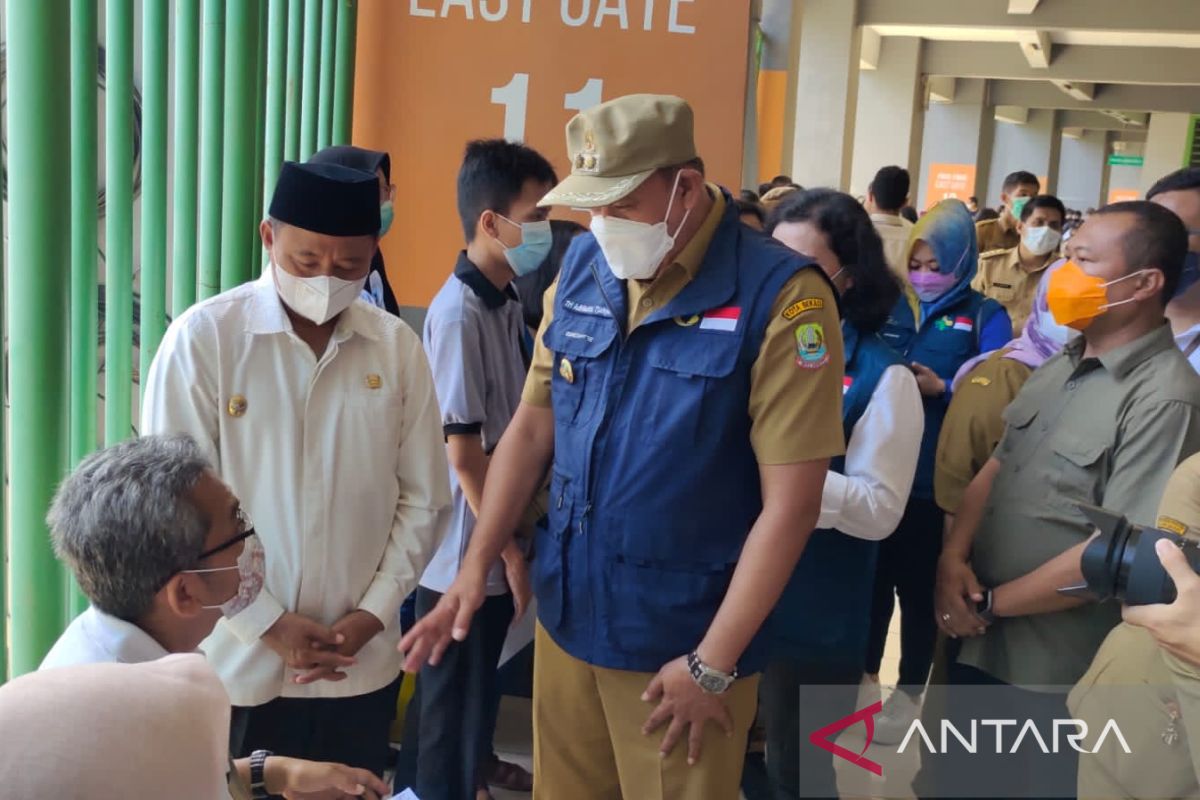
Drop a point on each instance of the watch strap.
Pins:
(258, 780)
(983, 609)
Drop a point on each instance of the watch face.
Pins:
(713, 684)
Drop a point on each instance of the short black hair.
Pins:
(909, 213)
(753, 209)
(973, 199)
(853, 239)
(1181, 180)
(763, 188)
(890, 188)
(984, 214)
(1044, 201)
(781, 180)
(748, 196)
(1158, 240)
(1020, 178)
(493, 175)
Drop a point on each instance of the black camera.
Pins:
(1121, 561)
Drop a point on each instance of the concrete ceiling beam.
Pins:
(1000, 60)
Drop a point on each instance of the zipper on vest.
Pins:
(583, 519)
(620, 322)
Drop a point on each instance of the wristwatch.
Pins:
(983, 609)
(258, 780)
(711, 680)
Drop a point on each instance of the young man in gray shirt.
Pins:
(479, 350)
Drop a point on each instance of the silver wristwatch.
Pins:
(713, 681)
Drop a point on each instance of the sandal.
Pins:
(508, 776)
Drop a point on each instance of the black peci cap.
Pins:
(328, 199)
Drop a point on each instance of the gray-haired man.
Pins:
(162, 549)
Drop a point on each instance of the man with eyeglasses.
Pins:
(163, 550)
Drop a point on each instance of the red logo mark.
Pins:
(822, 737)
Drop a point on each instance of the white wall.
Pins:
(887, 100)
(1081, 170)
(951, 132)
(1020, 147)
(1165, 146)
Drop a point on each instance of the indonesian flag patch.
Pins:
(964, 324)
(847, 382)
(721, 319)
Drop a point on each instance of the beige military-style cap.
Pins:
(616, 146)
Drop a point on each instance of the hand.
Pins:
(297, 779)
(688, 707)
(304, 644)
(928, 381)
(956, 593)
(355, 629)
(516, 572)
(1176, 625)
(449, 620)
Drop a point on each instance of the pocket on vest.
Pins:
(547, 573)
(685, 399)
(577, 345)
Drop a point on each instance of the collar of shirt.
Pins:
(267, 314)
(493, 298)
(891, 220)
(95, 637)
(692, 255)
(1121, 361)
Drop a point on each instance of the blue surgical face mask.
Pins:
(1190, 275)
(386, 214)
(536, 241)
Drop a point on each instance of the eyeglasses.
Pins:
(245, 531)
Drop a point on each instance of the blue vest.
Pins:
(944, 341)
(655, 485)
(824, 610)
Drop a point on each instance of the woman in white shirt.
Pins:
(820, 625)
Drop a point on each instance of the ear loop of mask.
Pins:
(671, 204)
(1107, 306)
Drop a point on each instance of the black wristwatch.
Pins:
(258, 780)
(711, 680)
(983, 609)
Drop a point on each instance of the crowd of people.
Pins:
(712, 440)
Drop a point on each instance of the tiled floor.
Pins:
(514, 739)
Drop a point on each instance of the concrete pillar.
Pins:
(1165, 145)
(1081, 166)
(1032, 146)
(890, 120)
(826, 69)
(958, 133)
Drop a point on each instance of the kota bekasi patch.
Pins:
(811, 350)
(799, 307)
(1172, 525)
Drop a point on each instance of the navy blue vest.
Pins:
(824, 611)
(944, 341)
(655, 485)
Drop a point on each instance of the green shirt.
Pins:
(1106, 431)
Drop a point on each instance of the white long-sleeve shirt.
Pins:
(338, 460)
(868, 499)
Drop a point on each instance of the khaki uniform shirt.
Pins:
(974, 426)
(1002, 278)
(1143, 688)
(796, 413)
(997, 234)
(894, 231)
(1108, 431)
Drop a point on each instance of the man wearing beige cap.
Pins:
(686, 386)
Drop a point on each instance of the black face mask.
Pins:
(1190, 275)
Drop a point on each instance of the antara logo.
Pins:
(1028, 735)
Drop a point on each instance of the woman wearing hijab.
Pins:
(863, 500)
(378, 164)
(954, 324)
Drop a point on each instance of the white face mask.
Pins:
(635, 249)
(317, 299)
(252, 567)
(1041, 241)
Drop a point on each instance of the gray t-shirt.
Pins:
(476, 342)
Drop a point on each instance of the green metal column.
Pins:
(154, 182)
(311, 60)
(38, 36)
(295, 56)
(238, 185)
(343, 88)
(211, 135)
(253, 241)
(186, 155)
(325, 101)
(85, 334)
(277, 28)
(118, 231)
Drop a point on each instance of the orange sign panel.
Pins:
(433, 74)
(1122, 195)
(949, 180)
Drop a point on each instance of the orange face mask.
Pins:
(1076, 298)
